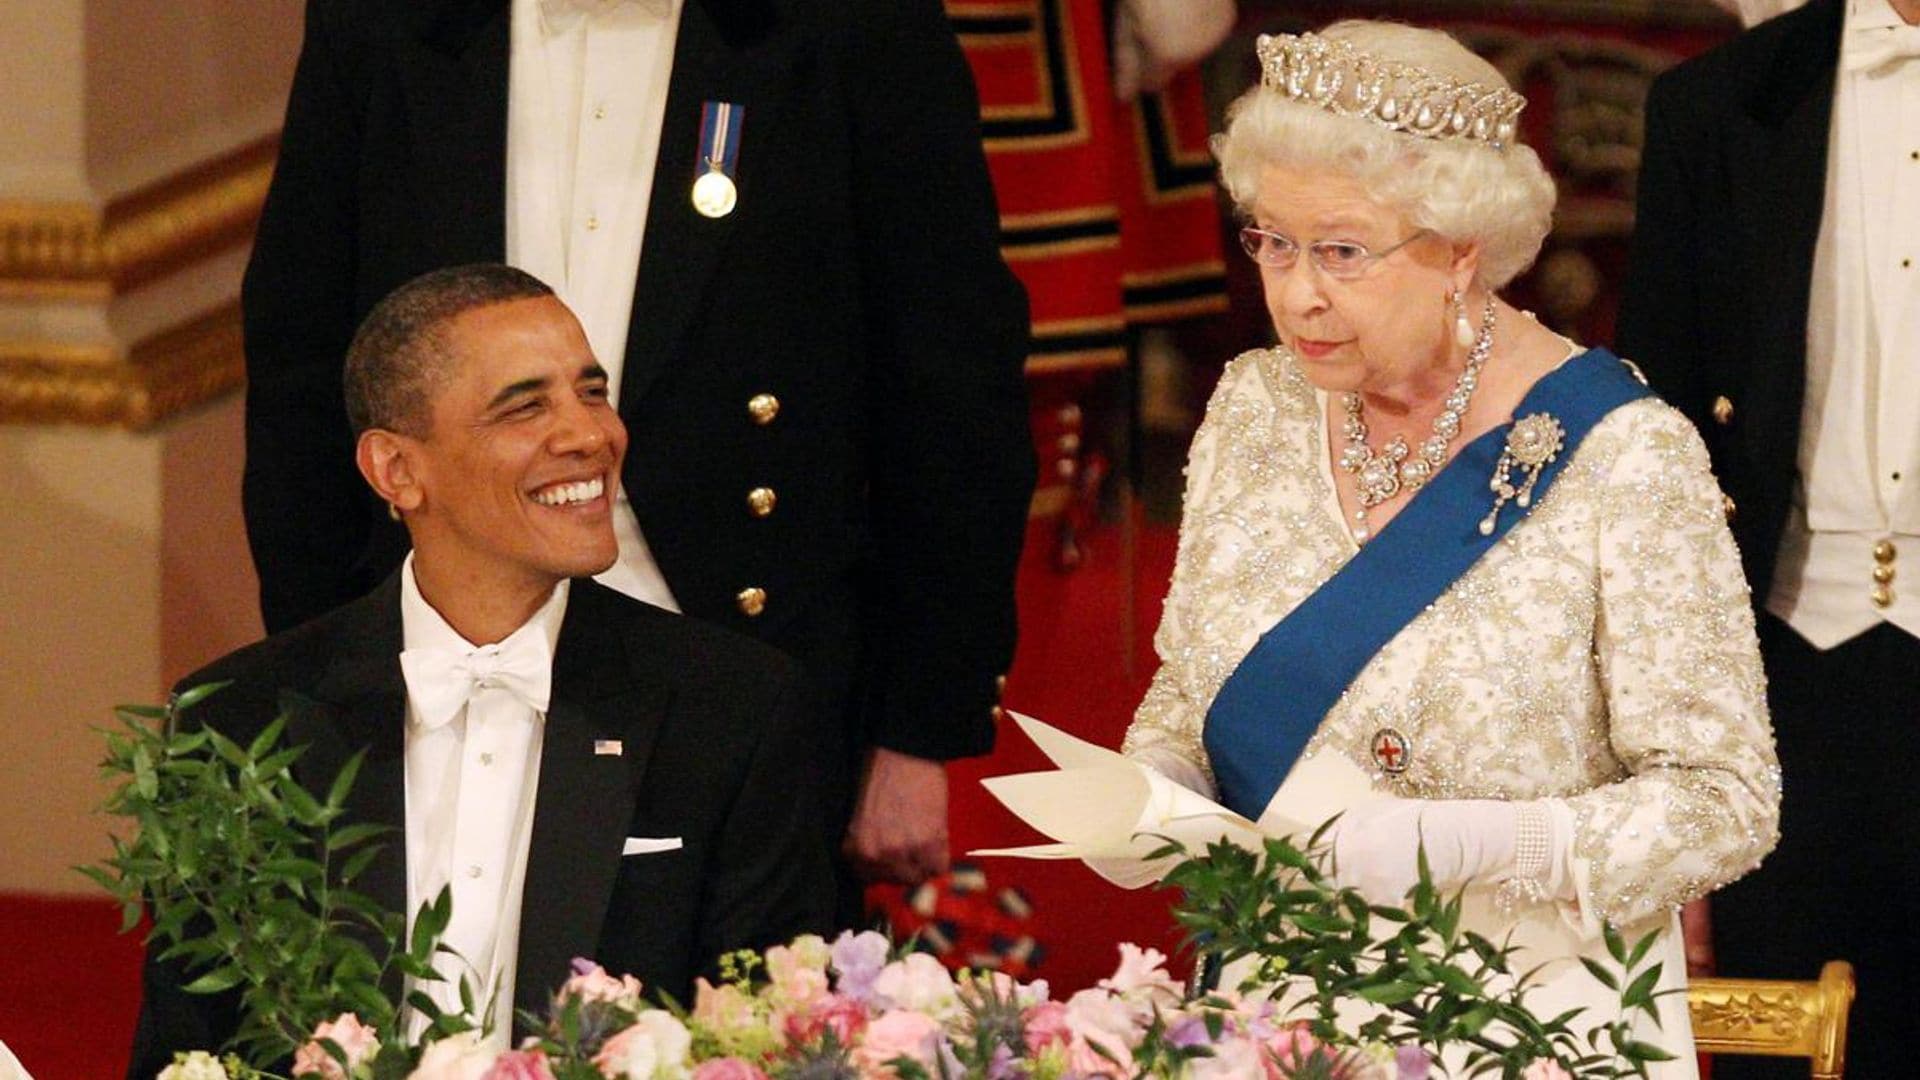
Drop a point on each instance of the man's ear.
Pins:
(386, 460)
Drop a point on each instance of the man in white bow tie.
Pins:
(1774, 296)
(589, 775)
(774, 221)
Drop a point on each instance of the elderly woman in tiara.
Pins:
(1428, 535)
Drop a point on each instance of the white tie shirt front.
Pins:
(1850, 553)
(471, 783)
(586, 98)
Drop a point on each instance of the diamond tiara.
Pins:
(1401, 97)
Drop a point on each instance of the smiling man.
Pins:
(589, 775)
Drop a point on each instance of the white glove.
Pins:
(1468, 841)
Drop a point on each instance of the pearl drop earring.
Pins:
(1463, 331)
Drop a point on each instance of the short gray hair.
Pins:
(399, 355)
(1462, 189)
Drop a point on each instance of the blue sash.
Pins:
(1274, 701)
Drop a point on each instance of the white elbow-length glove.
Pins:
(1519, 847)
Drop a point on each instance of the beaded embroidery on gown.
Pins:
(1602, 654)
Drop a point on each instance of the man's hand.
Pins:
(1696, 928)
(899, 827)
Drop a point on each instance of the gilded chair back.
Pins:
(1777, 1017)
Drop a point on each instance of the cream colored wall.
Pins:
(125, 568)
(43, 141)
(123, 562)
(204, 76)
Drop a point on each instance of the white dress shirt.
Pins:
(470, 790)
(1859, 454)
(586, 95)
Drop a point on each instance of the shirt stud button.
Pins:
(486, 759)
(474, 871)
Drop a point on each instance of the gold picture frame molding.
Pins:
(67, 251)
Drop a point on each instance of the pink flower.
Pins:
(1545, 1069)
(844, 1016)
(656, 1045)
(1142, 975)
(590, 982)
(1234, 1058)
(730, 1068)
(456, 1057)
(520, 1065)
(1046, 1025)
(356, 1040)
(798, 972)
(901, 1033)
(722, 1009)
(1101, 1021)
(1293, 1047)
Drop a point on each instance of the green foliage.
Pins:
(1438, 986)
(249, 880)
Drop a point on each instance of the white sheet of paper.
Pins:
(1112, 812)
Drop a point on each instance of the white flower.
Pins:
(916, 982)
(456, 1057)
(198, 1065)
(656, 1047)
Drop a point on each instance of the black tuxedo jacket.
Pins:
(717, 749)
(858, 282)
(1732, 186)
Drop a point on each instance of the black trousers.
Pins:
(1845, 881)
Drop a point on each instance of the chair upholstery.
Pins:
(1776, 1017)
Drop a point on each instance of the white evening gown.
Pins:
(1602, 654)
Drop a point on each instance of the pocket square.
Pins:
(649, 845)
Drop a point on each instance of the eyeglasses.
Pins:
(1341, 260)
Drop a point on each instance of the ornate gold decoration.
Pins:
(53, 382)
(1776, 1017)
(75, 251)
(140, 236)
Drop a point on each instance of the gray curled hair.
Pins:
(1462, 189)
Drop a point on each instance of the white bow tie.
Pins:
(440, 681)
(558, 16)
(1872, 48)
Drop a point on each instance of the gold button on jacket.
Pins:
(763, 408)
(752, 600)
(1722, 410)
(1884, 551)
(761, 501)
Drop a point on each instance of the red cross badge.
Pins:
(1391, 751)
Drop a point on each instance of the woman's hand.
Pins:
(1376, 845)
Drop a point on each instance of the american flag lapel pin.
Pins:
(607, 747)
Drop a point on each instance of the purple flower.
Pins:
(858, 959)
(1411, 1063)
(1189, 1032)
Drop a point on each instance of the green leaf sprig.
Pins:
(1437, 985)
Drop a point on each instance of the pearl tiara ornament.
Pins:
(1339, 78)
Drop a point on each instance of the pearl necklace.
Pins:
(1380, 475)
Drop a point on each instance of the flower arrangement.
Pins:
(853, 1010)
(247, 878)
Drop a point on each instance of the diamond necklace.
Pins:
(1379, 476)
